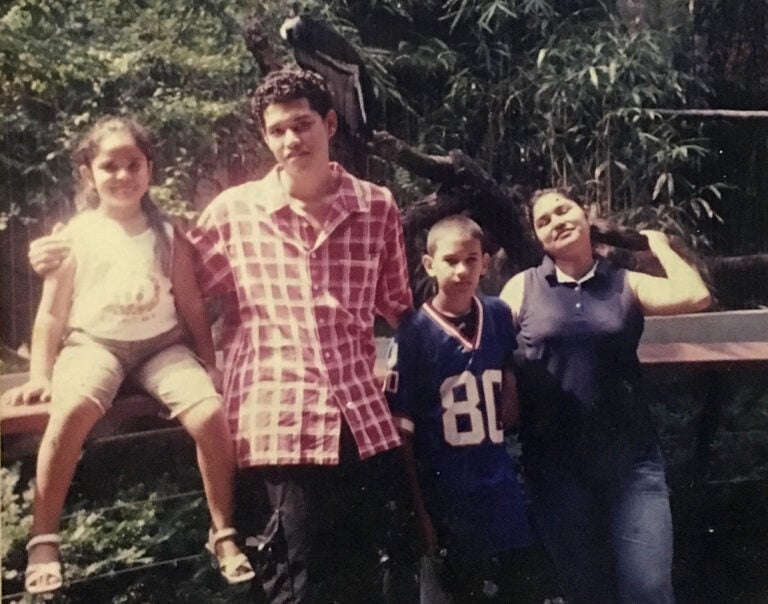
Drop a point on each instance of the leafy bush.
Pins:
(15, 519)
(120, 549)
(739, 448)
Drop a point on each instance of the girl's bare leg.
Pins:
(57, 458)
(207, 425)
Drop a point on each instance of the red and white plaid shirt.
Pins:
(298, 347)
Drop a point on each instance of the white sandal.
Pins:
(235, 568)
(43, 577)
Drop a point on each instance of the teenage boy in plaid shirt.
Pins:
(305, 257)
(308, 254)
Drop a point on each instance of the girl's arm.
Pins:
(190, 306)
(47, 332)
(682, 290)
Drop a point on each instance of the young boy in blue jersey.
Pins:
(452, 393)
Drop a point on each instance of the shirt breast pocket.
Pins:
(356, 274)
(360, 269)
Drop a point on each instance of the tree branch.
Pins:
(709, 113)
(465, 187)
(453, 169)
(752, 262)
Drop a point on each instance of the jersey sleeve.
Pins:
(401, 384)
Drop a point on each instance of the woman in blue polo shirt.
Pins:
(590, 450)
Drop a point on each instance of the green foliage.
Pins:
(141, 527)
(586, 83)
(181, 68)
(549, 93)
(15, 519)
(540, 92)
(739, 451)
(134, 531)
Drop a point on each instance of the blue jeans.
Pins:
(610, 537)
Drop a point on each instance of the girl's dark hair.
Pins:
(87, 197)
(291, 84)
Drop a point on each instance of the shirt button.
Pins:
(578, 304)
(321, 321)
(350, 405)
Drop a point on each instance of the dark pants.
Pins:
(328, 533)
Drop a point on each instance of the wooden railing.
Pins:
(715, 340)
(711, 342)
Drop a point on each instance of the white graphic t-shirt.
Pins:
(120, 291)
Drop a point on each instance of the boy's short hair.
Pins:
(456, 221)
(291, 84)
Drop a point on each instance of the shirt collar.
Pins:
(563, 278)
(349, 193)
(555, 275)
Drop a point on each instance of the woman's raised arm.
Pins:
(681, 291)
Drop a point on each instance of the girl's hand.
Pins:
(36, 390)
(217, 377)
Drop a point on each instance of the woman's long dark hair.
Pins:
(624, 246)
(87, 197)
(601, 231)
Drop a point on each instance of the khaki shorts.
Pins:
(93, 368)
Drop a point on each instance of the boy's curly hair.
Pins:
(291, 84)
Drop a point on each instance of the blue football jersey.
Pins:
(446, 390)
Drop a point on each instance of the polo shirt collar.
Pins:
(554, 275)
